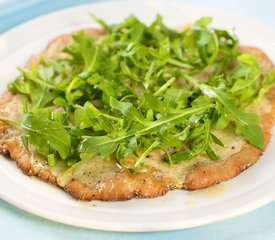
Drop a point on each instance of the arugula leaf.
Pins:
(102, 145)
(216, 140)
(170, 136)
(128, 111)
(81, 119)
(246, 123)
(243, 78)
(88, 50)
(267, 83)
(207, 41)
(100, 21)
(38, 85)
(46, 135)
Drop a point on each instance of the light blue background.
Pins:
(18, 224)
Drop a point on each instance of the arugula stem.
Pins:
(168, 155)
(173, 118)
(36, 79)
(205, 139)
(179, 64)
(192, 80)
(140, 161)
(127, 97)
(165, 86)
(10, 121)
(25, 105)
(149, 74)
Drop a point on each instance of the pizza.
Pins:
(134, 110)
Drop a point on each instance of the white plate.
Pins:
(178, 209)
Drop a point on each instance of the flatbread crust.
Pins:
(119, 184)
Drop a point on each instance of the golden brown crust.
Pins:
(120, 187)
(124, 185)
(20, 155)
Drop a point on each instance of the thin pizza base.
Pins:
(102, 179)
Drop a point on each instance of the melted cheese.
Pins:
(14, 109)
(90, 171)
(260, 107)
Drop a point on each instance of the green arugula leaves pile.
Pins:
(140, 88)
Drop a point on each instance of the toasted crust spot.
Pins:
(46, 176)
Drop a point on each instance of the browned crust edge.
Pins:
(127, 185)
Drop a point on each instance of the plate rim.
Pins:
(264, 200)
